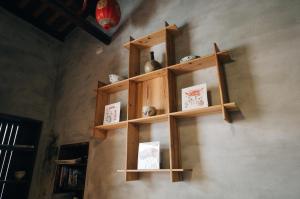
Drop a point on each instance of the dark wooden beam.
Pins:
(79, 21)
(11, 7)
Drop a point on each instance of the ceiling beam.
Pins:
(79, 21)
(11, 7)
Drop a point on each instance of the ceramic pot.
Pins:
(19, 175)
(152, 64)
(113, 78)
(149, 111)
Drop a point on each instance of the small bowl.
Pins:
(188, 58)
(113, 78)
(19, 175)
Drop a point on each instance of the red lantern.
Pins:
(108, 13)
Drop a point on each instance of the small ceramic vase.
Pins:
(113, 78)
(149, 111)
(152, 64)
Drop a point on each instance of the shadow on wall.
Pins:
(138, 17)
(143, 16)
(190, 153)
(182, 42)
(241, 85)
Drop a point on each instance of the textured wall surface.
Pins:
(254, 157)
(27, 79)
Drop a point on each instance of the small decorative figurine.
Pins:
(149, 111)
(152, 64)
(113, 78)
(188, 58)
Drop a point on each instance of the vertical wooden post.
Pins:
(170, 47)
(134, 61)
(222, 84)
(132, 151)
(172, 91)
(102, 99)
(132, 100)
(175, 150)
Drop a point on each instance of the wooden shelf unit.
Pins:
(158, 89)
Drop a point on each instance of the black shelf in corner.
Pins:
(17, 147)
(13, 182)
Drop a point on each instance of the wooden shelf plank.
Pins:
(152, 170)
(224, 57)
(197, 111)
(193, 65)
(201, 111)
(200, 63)
(118, 125)
(231, 106)
(151, 119)
(115, 87)
(72, 164)
(150, 75)
(163, 117)
(151, 39)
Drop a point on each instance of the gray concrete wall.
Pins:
(254, 157)
(28, 64)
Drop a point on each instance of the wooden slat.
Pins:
(200, 63)
(224, 57)
(150, 119)
(101, 100)
(122, 124)
(115, 87)
(204, 111)
(151, 39)
(231, 106)
(175, 150)
(132, 100)
(134, 61)
(198, 111)
(193, 65)
(172, 92)
(150, 75)
(152, 170)
(222, 84)
(132, 151)
(170, 48)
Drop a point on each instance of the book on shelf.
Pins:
(112, 113)
(194, 97)
(71, 177)
(149, 155)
